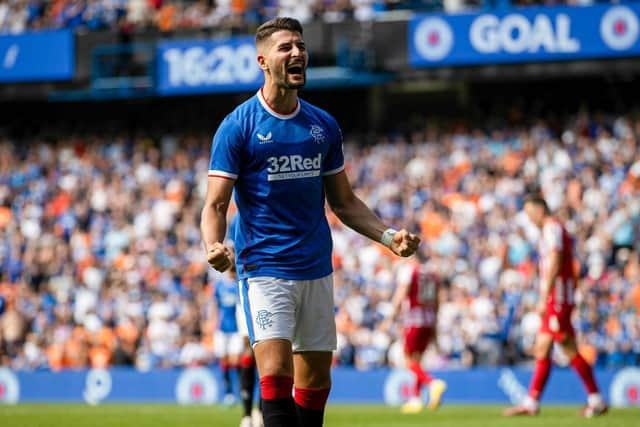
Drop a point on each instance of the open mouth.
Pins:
(295, 70)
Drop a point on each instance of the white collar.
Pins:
(273, 112)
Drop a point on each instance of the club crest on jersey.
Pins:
(263, 319)
(317, 134)
(264, 139)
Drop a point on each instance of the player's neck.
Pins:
(282, 101)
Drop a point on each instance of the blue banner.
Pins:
(204, 386)
(201, 66)
(206, 66)
(37, 56)
(525, 35)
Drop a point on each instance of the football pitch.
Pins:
(132, 415)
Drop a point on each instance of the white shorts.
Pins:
(227, 344)
(300, 311)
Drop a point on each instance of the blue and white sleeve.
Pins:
(226, 150)
(334, 162)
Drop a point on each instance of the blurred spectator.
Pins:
(101, 263)
(17, 16)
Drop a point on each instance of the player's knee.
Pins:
(318, 377)
(413, 356)
(275, 368)
(316, 382)
(324, 383)
(275, 365)
(540, 354)
(274, 358)
(541, 351)
(569, 348)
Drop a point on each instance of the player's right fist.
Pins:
(219, 257)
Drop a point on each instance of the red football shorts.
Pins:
(558, 324)
(416, 340)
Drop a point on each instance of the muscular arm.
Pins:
(213, 221)
(350, 209)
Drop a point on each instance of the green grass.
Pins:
(60, 415)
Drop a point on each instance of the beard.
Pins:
(298, 84)
(284, 80)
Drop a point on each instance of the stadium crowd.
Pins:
(18, 16)
(101, 262)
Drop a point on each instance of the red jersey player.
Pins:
(557, 286)
(417, 291)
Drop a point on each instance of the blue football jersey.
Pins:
(227, 297)
(278, 163)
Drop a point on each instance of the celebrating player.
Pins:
(281, 155)
(417, 290)
(556, 302)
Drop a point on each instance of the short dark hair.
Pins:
(538, 200)
(265, 30)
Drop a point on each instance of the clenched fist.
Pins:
(219, 257)
(404, 243)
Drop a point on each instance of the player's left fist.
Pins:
(404, 243)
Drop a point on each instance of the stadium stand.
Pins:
(450, 119)
(18, 16)
(101, 263)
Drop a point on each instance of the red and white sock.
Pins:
(310, 404)
(278, 409)
(585, 372)
(422, 378)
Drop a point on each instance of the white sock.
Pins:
(595, 400)
(530, 403)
